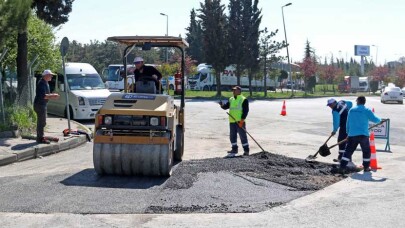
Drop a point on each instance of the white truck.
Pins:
(205, 80)
(113, 79)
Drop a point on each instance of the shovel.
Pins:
(321, 148)
(324, 150)
(247, 132)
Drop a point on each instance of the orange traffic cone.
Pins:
(373, 158)
(283, 110)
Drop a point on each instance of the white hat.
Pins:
(330, 101)
(138, 59)
(47, 72)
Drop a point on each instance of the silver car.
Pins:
(392, 94)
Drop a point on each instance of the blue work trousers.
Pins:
(352, 144)
(234, 129)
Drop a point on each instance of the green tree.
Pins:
(236, 37)
(251, 19)
(214, 22)
(194, 38)
(40, 41)
(268, 50)
(54, 12)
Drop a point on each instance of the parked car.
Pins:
(393, 94)
(403, 91)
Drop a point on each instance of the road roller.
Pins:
(141, 133)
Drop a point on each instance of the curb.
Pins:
(43, 150)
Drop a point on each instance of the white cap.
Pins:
(47, 72)
(138, 59)
(330, 101)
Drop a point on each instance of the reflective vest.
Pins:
(235, 108)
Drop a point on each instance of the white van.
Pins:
(86, 92)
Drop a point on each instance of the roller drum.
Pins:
(133, 159)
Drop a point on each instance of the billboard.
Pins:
(362, 50)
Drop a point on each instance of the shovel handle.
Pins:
(371, 127)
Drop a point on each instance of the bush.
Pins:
(22, 118)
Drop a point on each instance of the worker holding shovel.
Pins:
(238, 107)
(358, 133)
(340, 109)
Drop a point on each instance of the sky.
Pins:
(331, 27)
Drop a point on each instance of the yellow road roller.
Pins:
(141, 133)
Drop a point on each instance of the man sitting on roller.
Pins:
(144, 71)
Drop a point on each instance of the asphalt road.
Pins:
(66, 182)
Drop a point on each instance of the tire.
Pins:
(70, 112)
(133, 159)
(178, 153)
(206, 88)
(171, 87)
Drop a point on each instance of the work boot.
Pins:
(43, 141)
(354, 169)
(338, 170)
(367, 169)
(336, 160)
(232, 151)
(246, 153)
(231, 155)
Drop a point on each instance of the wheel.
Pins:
(178, 153)
(133, 159)
(70, 113)
(206, 88)
(171, 87)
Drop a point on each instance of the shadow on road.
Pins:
(23, 146)
(89, 178)
(367, 176)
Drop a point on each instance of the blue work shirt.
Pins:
(357, 121)
(339, 113)
(41, 91)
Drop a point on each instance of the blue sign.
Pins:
(130, 96)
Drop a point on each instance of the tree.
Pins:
(251, 19)
(401, 77)
(269, 47)
(40, 42)
(54, 12)
(214, 22)
(380, 73)
(308, 66)
(236, 37)
(194, 38)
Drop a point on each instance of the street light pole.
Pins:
(288, 54)
(376, 54)
(167, 33)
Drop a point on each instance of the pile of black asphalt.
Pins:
(294, 177)
(246, 184)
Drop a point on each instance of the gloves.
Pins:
(240, 123)
(333, 133)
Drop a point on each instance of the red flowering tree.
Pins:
(380, 73)
(401, 77)
(308, 68)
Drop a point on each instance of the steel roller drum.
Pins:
(133, 159)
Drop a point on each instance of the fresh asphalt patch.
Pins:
(247, 184)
